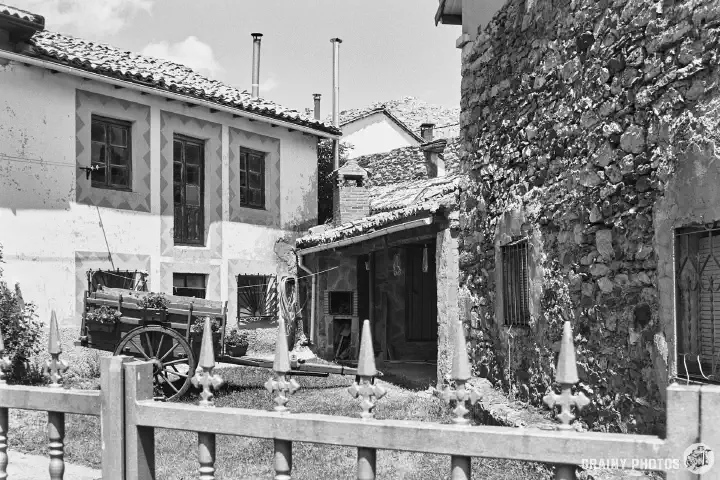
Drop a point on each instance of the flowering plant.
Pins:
(155, 301)
(237, 338)
(103, 314)
(199, 323)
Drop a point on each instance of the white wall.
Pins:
(375, 134)
(49, 239)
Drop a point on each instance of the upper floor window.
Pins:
(252, 178)
(515, 283)
(188, 166)
(111, 154)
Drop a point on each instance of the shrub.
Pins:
(21, 332)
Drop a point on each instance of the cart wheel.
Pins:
(174, 363)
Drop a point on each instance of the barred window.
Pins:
(257, 297)
(515, 283)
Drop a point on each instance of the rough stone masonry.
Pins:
(588, 127)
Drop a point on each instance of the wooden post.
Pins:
(565, 472)
(366, 463)
(710, 425)
(282, 461)
(139, 440)
(56, 437)
(683, 425)
(206, 455)
(460, 468)
(112, 420)
(3, 443)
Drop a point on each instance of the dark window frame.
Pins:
(261, 289)
(180, 236)
(185, 276)
(244, 197)
(127, 275)
(515, 264)
(107, 121)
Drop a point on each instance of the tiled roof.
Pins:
(406, 163)
(405, 194)
(107, 60)
(386, 112)
(413, 112)
(392, 204)
(22, 15)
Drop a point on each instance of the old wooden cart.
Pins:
(128, 322)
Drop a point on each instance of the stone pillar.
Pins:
(448, 284)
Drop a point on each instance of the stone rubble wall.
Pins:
(575, 115)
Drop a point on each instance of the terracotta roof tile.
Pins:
(39, 20)
(107, 60)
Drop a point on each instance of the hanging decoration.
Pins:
(425, 260)
(397, 270)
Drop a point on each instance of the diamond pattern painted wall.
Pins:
(138, 199)
(170, 124)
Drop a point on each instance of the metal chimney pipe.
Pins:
(257, 38)
(316, 99)
(336, 97)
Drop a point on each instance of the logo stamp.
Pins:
(699, 458)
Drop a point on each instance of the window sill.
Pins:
(114, 189)
(190, 245)
(250, 207)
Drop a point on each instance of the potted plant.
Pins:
(154, 304)
(236, 343)
(103, 318)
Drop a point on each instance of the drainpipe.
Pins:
(336, 98)
(316, 99)
(257, 38)
(312, 296)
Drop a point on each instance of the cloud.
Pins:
(190, 52)
(86, 17)
(269, 84)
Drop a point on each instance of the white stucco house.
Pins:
(144, 170)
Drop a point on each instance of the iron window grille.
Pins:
(697, 284)
(110, 153)
(188, 190)
(257, 297)
(515, 283)
(252, 178)
(190, 285)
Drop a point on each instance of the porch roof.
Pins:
(393, 205)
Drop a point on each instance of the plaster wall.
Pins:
(375, 134)
(53, 226)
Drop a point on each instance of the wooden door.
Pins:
(420, 296)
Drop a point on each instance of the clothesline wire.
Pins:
(107, 272)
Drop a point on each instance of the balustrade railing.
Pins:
(129, 417)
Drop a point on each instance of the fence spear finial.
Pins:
(204, 375)
(365, 388)
(566, 375)
(55, 367)
(281, 366)
(460, 372)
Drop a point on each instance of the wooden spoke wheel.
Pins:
(172, 357)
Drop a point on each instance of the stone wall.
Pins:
(575, 115)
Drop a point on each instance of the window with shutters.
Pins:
(111, 155)
(188, 192)
(515, 283)
(697, 283)
(252, 178)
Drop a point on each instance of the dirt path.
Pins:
(33, 467)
